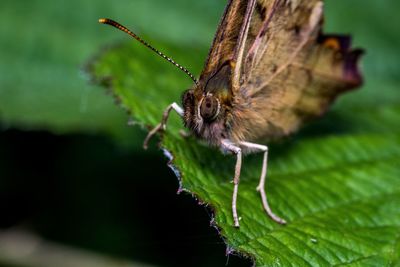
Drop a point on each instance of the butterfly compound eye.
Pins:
(209, 108)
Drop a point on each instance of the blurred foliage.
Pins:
(337, 183)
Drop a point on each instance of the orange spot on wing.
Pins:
(332, 43)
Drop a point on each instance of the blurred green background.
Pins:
(74, 173)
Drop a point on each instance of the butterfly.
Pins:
(270, 70)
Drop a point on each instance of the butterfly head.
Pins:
(204, 114)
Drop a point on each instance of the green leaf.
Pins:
(337, 182)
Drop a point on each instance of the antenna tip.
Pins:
(103, 20)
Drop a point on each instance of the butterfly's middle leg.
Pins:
(227, 145)
(261, 185)
(163, 124)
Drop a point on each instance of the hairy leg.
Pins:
(229, 146)
(163, 124)
(254, 148)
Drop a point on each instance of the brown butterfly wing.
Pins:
(290, 71)
(227, 47)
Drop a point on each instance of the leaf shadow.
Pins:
(332, 123)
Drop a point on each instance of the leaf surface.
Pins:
(337, 182)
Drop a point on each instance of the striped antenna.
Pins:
(124, 29)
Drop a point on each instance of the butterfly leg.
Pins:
(163, 124)
(229, 146)
(261, 186)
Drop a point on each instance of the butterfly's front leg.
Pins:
(227, 145)
(261, 186)
(163, 124)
